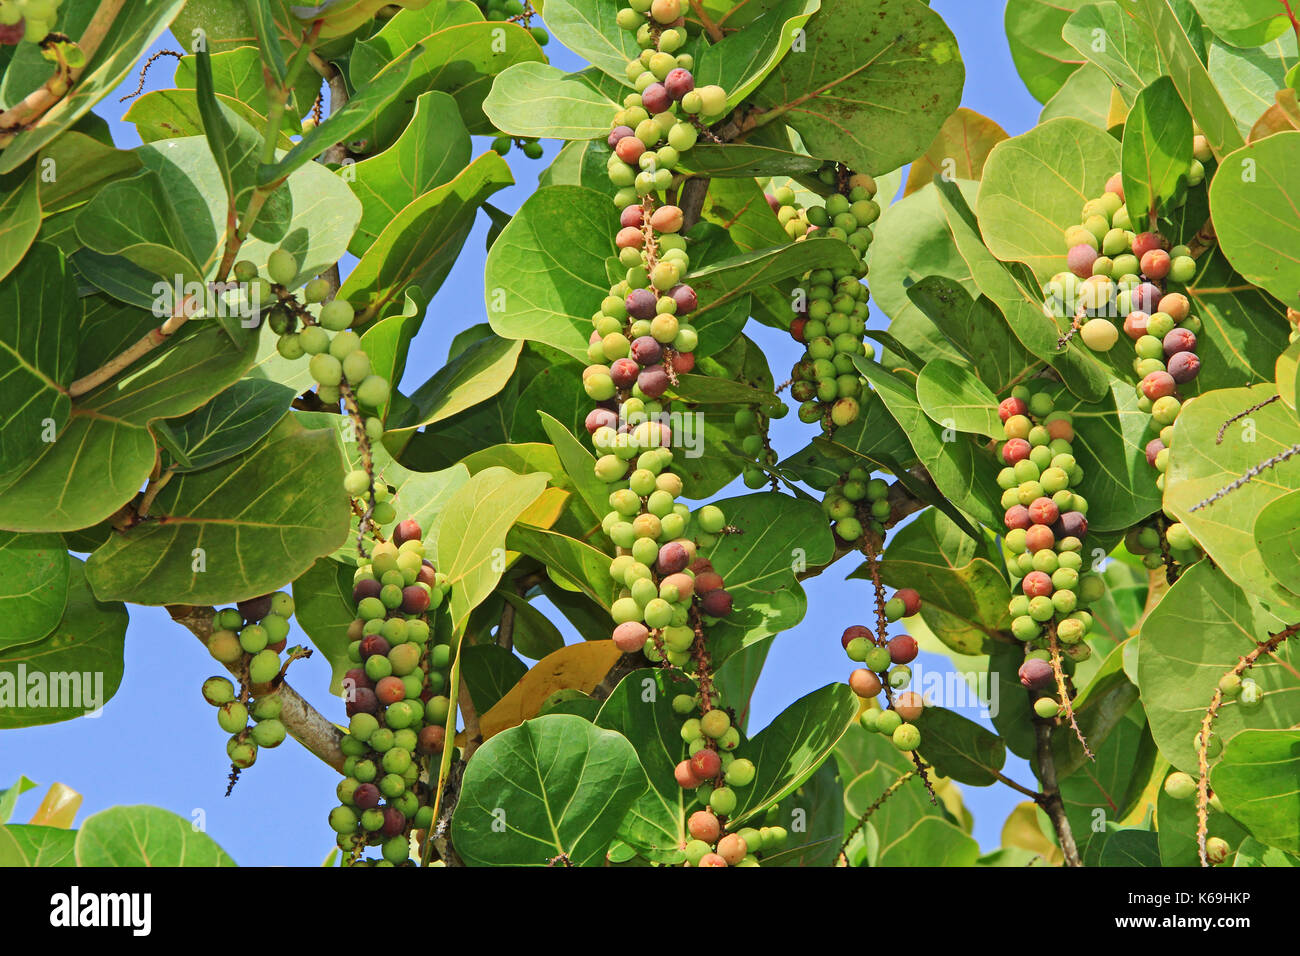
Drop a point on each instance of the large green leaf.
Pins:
(1277, 536)
(73, 670)
(976, 327)
(213, 543)
(44, 846)
(1043, 59)
(549, 792)
(1182, 62)
(640, 708)
(82, 164)
(38, 352)
(953, 395)
(932, 841)
(33, 586)
(1115, 41)
(791, 748)
(587, 28)
(461, 60)
(1248, 80)
(813, 816)
(1157, 152)
(323, 608)
(537, 99)
(20, 220)
(129, 35)
(1085, 96)
(1256, 780)
(471, 533)
(959, 748)
(1244, 328)
(1178, 825)
(740, 61)
(145, 836)
(234, 421)
(1244, 23)
(758, 564)
(884, 77)
(567, 560)
(474, 376)
(237, 74)
(1194, 636)
(1034, 186)
(1200, 466)
(431, 151)
(489, 671)
(545, 274)
(421, 243)
(1255, 198)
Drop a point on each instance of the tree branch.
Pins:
(1050, 799)
(303, 721)
(19, 116)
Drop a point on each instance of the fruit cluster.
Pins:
(831, 314)
(1116, 272)
(857, 503)
(249, 637)
(532, 148)
(790, 213)
(27, 20)
(887, 669)
(396, 698)
(1046, 525)
(760, 456)
(711, 740)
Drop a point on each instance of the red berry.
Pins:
(647, 350)
(366, 796)
(678, 82)
(703, 825)
(865, 683)
(1044, 511)
(598, 418)
(706, 764)
(673, 558)
(683, 362)
(415, 599)
(394, 822)
(629, 149)
(1017, 516)
(631, 216)
(685, 298)
(1184, 367)
(903, 649)
(1071, 524)
(373, 644)
(1037, 584)
(1116, 185)
(1035, 674)
(1010, 407)
(1146, 298)
(390, 690)
(624, 372)
(630, 636)
(716, 603)
(1039, 538)
(1147, 242)
(368, 587)
(642, 304)
(408, 530)
(358, 678)
(431, 739)
(363, 702)
(629, 237)
(685, 776)
(1154, 447)
(656, 99)
(911, 601)
(1158, 385)
(619, 133)
(706, 581)
(1135, 325)
(1017, 449)
(1080, 260)
(1060, 429)
(1179, 340)
(1156, 264)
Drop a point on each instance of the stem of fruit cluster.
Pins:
(712, 29)
(367, 461)
(303, 722)
(842, 859)
(1064, 691)
(1207, 726)
(1050, 799)
(1171, 570)
(35, 104)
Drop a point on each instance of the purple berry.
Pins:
(1179, 340)
(653, 381)
(642, 304)
(647, 351)
(1184, 366)
(685, 298)
(679, 82)
(598, 418)
(617, 133)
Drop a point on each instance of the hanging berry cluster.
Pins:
(887, 669)
(1046, 525)
(249, 638)
(397, 700)
(1114, 272)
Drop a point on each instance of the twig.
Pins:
(712, 29)
(1248, 477)
(1207, 726)
(1295, 23)
(866, 815)
(1218, 439)
(143, 346)
(144, 71)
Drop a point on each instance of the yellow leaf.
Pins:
(59, 808)
(546, 510)
(1281, 117)
(1022, 830)
(958, 152)
(578, 666)
(1118, 114)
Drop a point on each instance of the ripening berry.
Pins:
(1015, 450)
(732, 848)
(1036, 674)
(1217, 850)
(1184, 367)
(1011, 407)
(1156, 264)
(855, 632)
(706, 764)
(903, 649)
(1158, 385)
(1100, 335)
(685, 775)
(911, 601)
(703, 825)
(910, 705)
(866, 684)
(1037, 584)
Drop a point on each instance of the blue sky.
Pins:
(157, 742)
